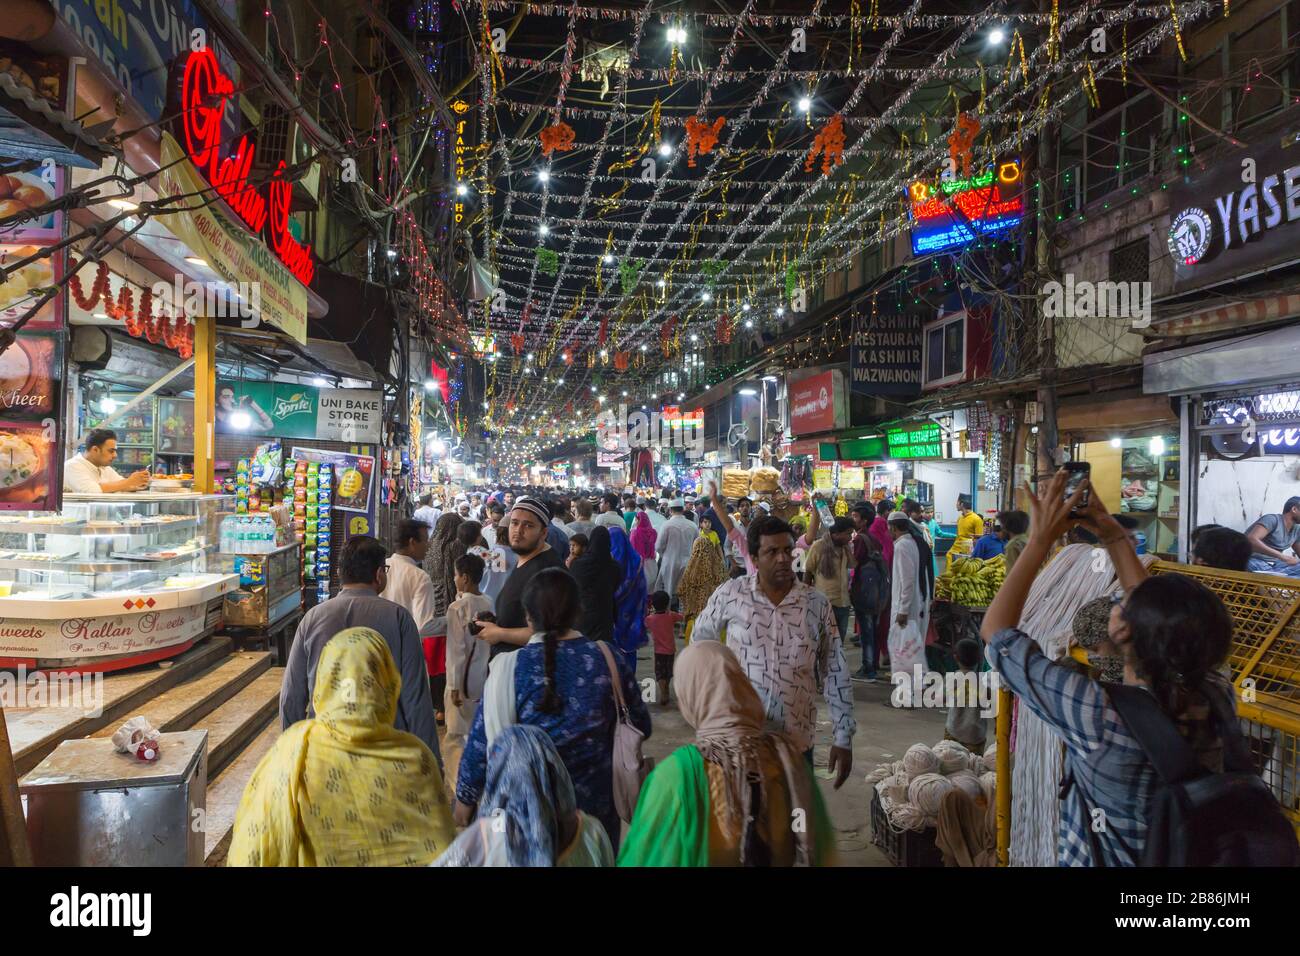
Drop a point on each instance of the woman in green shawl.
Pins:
(740, 795)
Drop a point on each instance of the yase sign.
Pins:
(1240, 216)
(816, 404)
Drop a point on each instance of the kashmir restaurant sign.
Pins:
(1239, 217)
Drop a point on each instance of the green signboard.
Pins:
(863, 449)
(915, 440)
(828, 451)
(269, 408)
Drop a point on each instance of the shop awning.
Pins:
(31, 128)
(1258, 358)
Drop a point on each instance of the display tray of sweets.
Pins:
(188, 549)
(51, 524)
(142, 523)
(43, 557)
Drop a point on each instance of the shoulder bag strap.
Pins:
(619, 704)
(1172, 756)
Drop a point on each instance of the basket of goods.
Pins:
(735, 483)
(765, 480)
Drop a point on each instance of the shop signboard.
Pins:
(137, 42)
(1238, 217)
(824, 479)
(230, 249)
(817, 403)
(863, 449)
(959, 210)
(80, 637)
(885, 354)
(285, 410)
(915, 440)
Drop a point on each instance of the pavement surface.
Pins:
(884, 733)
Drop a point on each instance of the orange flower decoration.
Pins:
(701, 137)
(830, 143)
(557, 138)
(961, 140)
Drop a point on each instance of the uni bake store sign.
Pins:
(205, 90)
(1238, 218)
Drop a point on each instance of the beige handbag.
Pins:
(630, 766)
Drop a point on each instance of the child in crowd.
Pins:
(662, 625)
(467, 659)
(965, 724)
(577, 544)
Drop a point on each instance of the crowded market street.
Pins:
(644, 435)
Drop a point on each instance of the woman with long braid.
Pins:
(560, 682)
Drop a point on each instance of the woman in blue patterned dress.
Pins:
(559, 682)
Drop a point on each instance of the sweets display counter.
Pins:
(111, 582)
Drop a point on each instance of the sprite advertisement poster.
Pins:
(287, 410)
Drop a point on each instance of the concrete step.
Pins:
(35, 732)
(235, 724)
(184, 705)
(225, 791)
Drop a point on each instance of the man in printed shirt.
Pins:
(785, 636)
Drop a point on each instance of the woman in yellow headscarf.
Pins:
(345, 788)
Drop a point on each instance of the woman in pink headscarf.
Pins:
(643, 539)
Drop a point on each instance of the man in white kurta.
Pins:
(908, 605)
(408, 583)
(673, 547)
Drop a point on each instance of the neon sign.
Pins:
(204, 91)
(960, 210)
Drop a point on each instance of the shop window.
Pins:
(1131, 262)
(945, 351)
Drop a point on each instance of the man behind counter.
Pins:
(90, 473)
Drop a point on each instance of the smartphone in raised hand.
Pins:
(1076, 472)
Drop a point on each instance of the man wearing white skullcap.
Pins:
(673, 547)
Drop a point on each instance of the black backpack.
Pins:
(871, 582)
(1199, 818)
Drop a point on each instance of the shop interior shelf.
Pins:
(72, 564)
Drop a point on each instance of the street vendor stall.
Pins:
(111, 581)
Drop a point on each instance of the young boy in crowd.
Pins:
(577, 545)
(467, 659)
(662, 625)
(965, 723)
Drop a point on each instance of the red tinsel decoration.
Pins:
(725, 326)
(621, 360)
(517, 341)
(666, 335)
(604, 331)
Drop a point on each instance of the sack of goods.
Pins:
(735, 483)
(765, 480)
(971, 582)
(911, 790)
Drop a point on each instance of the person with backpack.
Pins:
(869, 593)
(1157, 773)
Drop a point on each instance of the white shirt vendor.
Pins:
(82, 478)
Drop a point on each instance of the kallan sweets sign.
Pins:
(265, 210)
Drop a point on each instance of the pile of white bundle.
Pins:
(920, 759)
(885, 770)
(952, 756)
(989, 760)
(989, 784)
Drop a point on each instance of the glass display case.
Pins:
(112, 581)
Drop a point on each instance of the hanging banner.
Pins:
(229, 249)
(823, 479)
(852, 478)
(885, 357)
(285, 410)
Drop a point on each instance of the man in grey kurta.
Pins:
(364, 575)
(674, 547)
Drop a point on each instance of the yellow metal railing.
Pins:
(1265, 663)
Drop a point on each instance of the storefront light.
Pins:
(108, 406)
(1117, 443)
(1157, 446)
(748, 391)
(241, 421)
